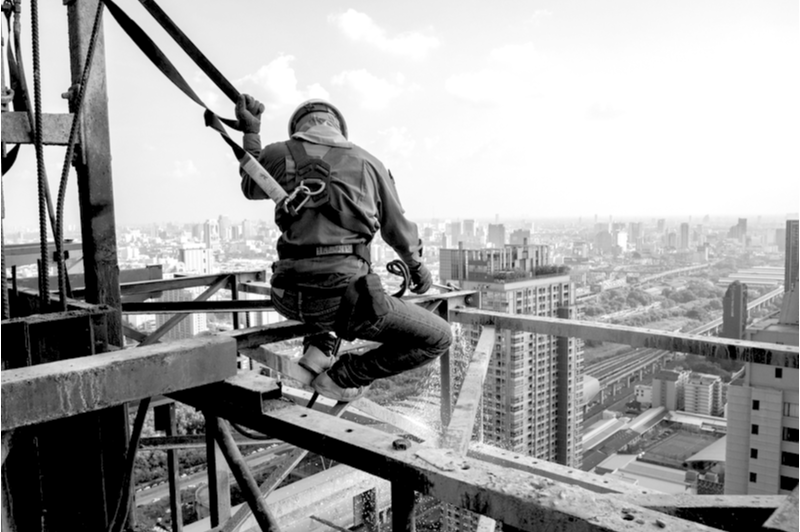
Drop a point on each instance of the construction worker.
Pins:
(323, 276)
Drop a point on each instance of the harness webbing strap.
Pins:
(248, 164)
(191, 50)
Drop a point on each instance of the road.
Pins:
(255, 460)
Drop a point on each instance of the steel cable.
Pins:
(44, 269)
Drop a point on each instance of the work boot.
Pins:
(325, 386)
(315, 360)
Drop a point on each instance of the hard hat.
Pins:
(315, 106)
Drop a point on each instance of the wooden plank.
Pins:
(722, 348)
(55, 128)
(517, 498)
(59, 389)
(459, 431)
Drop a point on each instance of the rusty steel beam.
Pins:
(55, 128)
(174, 307)
(518, 498)
(194, 441)
(156, 335)
(60, 389)
(730, 512)
(722, 348)
(191, 281)
(786, 516)
(267, 334)
(459, 432)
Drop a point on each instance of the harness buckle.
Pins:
(296, 200)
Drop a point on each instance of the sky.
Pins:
(519, 109)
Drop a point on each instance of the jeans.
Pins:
(410, 336)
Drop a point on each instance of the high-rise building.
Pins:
(702, 394)
(668, 389)
(534, 386)
(661, 225)
(519, 237)
(197, 259)
(496, 236)
(211, 233)
(684, 240)
(790, 269)
(635, 233)
(468, 228)
(734, 311)
(761, 454)
(454, 229)
(224, 224)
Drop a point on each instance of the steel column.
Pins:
(403, 503)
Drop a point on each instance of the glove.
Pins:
(248, 113)
(421, 280)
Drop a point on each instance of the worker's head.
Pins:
(314, 112)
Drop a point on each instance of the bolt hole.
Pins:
(628, 517)
(465, 466)
(349, 430)
(303, 415)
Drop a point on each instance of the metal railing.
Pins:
(522, 492)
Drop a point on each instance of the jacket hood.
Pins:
(323, 134)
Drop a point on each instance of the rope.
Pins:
(73, 138)
(400, 268)
(44, 271)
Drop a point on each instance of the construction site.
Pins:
(75, 398)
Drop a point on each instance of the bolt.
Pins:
(401, 444)
(660, 523)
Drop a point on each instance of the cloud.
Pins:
(361, 28)
(276, 83)
(183, 169)
(539, 16)
(375, 93)
(513, 72)
(603, 111)
(398, 140)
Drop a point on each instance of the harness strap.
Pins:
(246, 161)
(288, 251)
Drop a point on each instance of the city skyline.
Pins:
(639, 107)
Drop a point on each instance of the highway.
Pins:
(256, 461)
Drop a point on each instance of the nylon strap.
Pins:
(246, 161)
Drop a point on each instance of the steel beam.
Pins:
(520, 499)
(786, 516)
(553, 471)
(55, 128)
(174, 320)
(192, 281)
(722, 348)
(459, 432)
(175, 307)
(60, 389)
(267, 334)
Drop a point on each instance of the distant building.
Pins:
(684, 238)
(519, 237)
(488, 265)
(668, 389)
(734, 311)
(661, 225)
(211, 233)
(702, 394)
(468, 228)
(644, 394)
(225, 225)
(454, 230)
(496, 236)
(791, 246)
(197, 259)
(739, 231)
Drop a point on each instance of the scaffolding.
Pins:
(67, 384)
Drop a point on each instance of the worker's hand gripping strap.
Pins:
(248, 164)
(362, 305)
